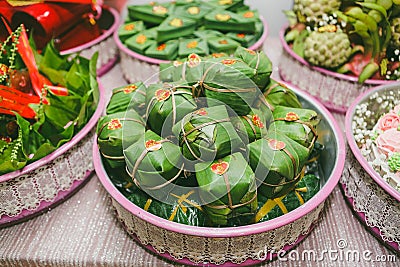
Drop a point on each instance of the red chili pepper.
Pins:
(17, 96)
(12, 100)
(38, 80)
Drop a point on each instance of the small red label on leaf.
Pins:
(176, 22)
(222, 17)
(193, 60)
(153, 145)
(160, 10)
(248, 15)
(161, 47)
(223, 41)
(220, 167)
(129, 27)
(130, 88)
(162, 94)
(193, 10)
(114, 124)
(141, 39)
(241, 35)
(177, 63)
(217, 55)
(276, 145)
(201, 112)
(228, 61)
(192, 44)
(251, 52)
(257, 121)
(292, 116)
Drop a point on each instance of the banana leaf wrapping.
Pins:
(190, 46)
(153, 13)
(167, 104)
(129, 29)
(206, 34)
(185, 210)
(116, 130)
(153, 162)
(232, 5)
(222, 44)
(121, 179)
(252, 126)
(278, 163)
(185, 2)
(269, 209)
(228, 81)
(166, 51)
(207, 134)
(229, 187)
(140, 42)
(278, 94)
(259, 62)
(245, 39)
(175, 27)
(132, 96)
(226, 21)
(195, 11)
(298, 124)
(171, 71)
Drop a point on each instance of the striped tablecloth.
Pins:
(83, 230)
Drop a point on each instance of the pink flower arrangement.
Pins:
(389, 121)
(389, 141)
(396, 110)
(388, 127)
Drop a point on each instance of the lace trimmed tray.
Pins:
(232, 246)
(136, 67)
(104, 44)
(47, 182)
(368, 188)
(336, 91)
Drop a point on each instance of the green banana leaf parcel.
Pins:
(228, 187)
(277, 162)
(117, 130)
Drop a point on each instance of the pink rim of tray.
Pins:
(64, 148)
(374, 230)
(151, 60)
(241, 230)
(356, 151)
(322, 70)
(106, 67)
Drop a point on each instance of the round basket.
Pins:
(136, 67)
(336, 91)
(374, 201)
(47, 182)
(104, 44)
(243, 245)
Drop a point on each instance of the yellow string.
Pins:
(280, 204)
(181, 199)
(147, 205)
(271, 203)
(301, 200)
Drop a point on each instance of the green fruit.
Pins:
(313, 10)
(376, 15)
(395, 26)
(327, 49)
(385, 3)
